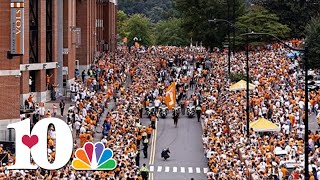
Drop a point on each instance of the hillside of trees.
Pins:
(156, 10)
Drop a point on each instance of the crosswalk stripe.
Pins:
(175, 169)
(205, 170)
(183, 170)
(198, 170)
(151, 168)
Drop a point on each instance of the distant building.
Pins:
(46, 33)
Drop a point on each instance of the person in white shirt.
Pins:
(70, 126)
(77, 125)
(157, 103)
(286, 129)
(104, 140)
(83, 129)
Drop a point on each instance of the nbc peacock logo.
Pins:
(94, 157)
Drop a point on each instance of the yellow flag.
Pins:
(170, 98)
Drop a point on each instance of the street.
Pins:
(187, 155)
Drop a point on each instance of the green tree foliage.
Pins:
(258, 19)
(156, 10)
(170, 32)
(313, 42)
(138, 25)
(295, 13)
(235, 77)
(122, 23)
(196, 13)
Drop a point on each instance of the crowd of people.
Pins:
(279, 98)
(131, 80)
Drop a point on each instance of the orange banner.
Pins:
(170, 98)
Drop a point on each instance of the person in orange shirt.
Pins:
(50, 143)
(149, 131)
(82, 139)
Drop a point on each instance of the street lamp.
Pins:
(229, 52)
(306, 132)
(247, 69)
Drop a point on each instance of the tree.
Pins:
(196, 13)
(170, 32)
(138, 25)
(313, 42)
(156, 10)
(122, 23)
(258, 19)
(296, 14)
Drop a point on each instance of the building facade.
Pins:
(43, 42)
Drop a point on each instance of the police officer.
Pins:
(145, 147)
(144, 172)
(138, 157)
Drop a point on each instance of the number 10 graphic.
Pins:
(35, 142)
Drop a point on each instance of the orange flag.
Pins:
(170, 98)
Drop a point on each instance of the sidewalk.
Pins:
(98, 134)
(68, 103)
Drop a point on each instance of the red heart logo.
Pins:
(30, 141)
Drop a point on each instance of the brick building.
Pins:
(43, 42)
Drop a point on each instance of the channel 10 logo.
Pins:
(34, 144)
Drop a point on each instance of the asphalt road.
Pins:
(185, 143)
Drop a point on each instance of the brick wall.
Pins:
(9, 85)
(69, 59)
(83, 22)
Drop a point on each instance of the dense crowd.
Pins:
(278, 97)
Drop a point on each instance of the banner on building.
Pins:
(17, 28)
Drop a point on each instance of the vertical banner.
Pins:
(17, 28)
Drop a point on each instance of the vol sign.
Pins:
(34, 144)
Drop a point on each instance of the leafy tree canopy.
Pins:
(258, 19)
(196, 13)
(313, 42)
(138, 25)
(170, 32)
(122, 23)
(156, 10)
(294, 13)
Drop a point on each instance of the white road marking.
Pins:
(183, 170)
(167, 169)
(198, 170)
(151, 168)
(205, 170)
(175, 169)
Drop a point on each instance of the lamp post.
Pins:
(306, 132)
(229, 25)
(247, 67)
(247, 90)
(234, 29)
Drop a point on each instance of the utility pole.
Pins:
(229, 41)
